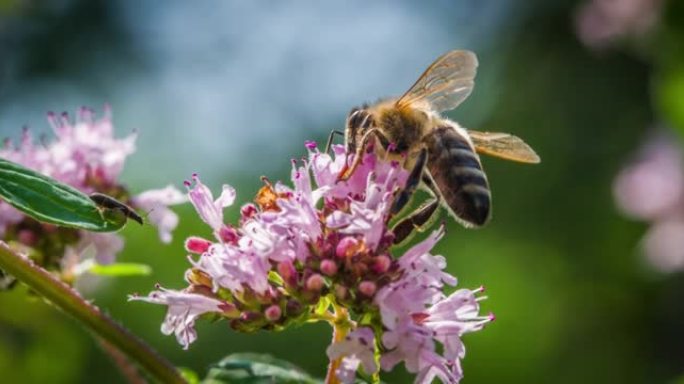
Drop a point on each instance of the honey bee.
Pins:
(439, 154)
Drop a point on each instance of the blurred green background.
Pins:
(232, 89)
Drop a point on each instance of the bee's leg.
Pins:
(404, 195)
(358, 118)
(330, 139)
(349, 169)
(418, 219)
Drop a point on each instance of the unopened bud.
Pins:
(381, 264)
(248, 211)
(228, 234)
(293, 308)
(328, 267)
(287, 271)
(197, 245)
(273, 313)
(27, 237)
(347, 247)
(341, 292)
(249, 316)
(315, 282)
(367, 288)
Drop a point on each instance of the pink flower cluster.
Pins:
(652, 189)
(324, 242)
(87, 156)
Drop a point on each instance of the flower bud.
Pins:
(247, 212)
(328, 267)
(197, 245)
(27, 237)
(315, 282)
(228, 234)
(341, 292)
(293, 308)
(381, 264)
(273, 313)
(347, 247)
(287, 271)
(367, 288)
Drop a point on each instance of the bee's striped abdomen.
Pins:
(457, 172)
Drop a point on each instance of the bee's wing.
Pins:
(445, 84)
(503, 145)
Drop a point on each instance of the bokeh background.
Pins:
(232, 89)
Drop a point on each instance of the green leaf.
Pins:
(670, 96)
(189, 375)
(121, 269)
(251, 368)
(52, 202)
(322, 306)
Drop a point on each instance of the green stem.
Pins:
(69, 301)
(341, 325)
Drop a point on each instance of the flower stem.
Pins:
(69, 301)
(340, 329)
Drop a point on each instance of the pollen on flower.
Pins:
(323, 242)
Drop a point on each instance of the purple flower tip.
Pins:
(310, 144)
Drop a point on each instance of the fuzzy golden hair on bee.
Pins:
(441, 155)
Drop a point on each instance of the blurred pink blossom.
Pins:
(321, 239)
(652, 189)
(86, 155)
(600, 23)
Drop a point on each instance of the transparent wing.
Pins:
(503, 145)
(446, 83)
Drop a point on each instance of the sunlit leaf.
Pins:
(250, 368)
(120, 269)
(50, 201)
(189, 375)
(670, 95)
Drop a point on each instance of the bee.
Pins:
(438, 153)
(107, 202)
